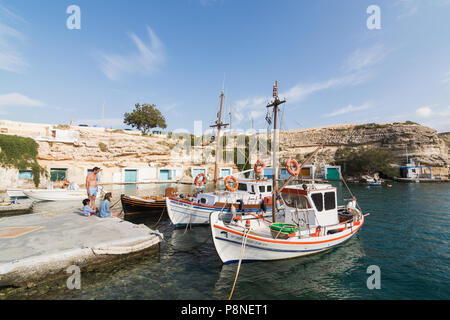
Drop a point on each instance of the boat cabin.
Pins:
(249, 190)
(317, 202)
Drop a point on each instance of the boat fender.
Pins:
(65, 184)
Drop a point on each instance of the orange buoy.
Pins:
(297, 167)
(259, 166)
(65, 184)
(199, 182)
(230, 188)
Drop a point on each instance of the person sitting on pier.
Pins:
(105, 211)
(87, 210)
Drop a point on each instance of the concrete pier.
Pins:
(40, 247)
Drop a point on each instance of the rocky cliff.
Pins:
(421, 143)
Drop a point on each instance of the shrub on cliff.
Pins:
(20, 153)
(145, 118)
(365, 160)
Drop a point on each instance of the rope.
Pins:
(159, 220)
(244, 242)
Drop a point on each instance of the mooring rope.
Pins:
(244, 242)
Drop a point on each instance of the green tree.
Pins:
(145, 117)
(366, 161)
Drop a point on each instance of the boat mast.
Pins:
(219, 125)
(275, 103)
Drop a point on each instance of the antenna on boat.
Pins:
(219, 124)
(275, 103)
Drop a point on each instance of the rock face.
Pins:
(423, 144)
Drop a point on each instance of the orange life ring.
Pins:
(297, 167)
(65, 184)
(236, 183)
(259, 164)
(199, 182)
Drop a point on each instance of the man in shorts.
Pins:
(91, 186)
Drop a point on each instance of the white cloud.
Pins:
(10, 39)
(365, 58)
(349, 109)
(424, 112)
(145, 61)
(18, 100)
(446, 78)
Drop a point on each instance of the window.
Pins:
(298, 201)
(242, 187)
(58, 175)
(269, 188)
(26, 174)
(262, 189)
(330, 200)
(318, 201)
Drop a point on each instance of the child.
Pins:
(87, 210)
(104, 211)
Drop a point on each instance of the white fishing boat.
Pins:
(251, 196)
(310, 222)
(17, 193)
(71, 193)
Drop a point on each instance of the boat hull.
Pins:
(56, 195)
(182, 212)
(136, 208)
(228, 243)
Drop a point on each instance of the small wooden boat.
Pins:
(143, 207)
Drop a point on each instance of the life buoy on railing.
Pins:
(230, 188)
(65, 184)
(297, 167)
(259, 166)
(199, 182)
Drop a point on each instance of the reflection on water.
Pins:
(406, 235)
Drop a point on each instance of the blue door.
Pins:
(130, 175)
(225, 173)
(198, 171)
(164, 175)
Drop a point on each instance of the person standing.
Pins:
(91, 186)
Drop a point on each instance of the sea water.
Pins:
(406, 237)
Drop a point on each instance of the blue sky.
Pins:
(176, 54)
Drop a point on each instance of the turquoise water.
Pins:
(406, 235)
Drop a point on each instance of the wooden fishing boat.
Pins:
(143, 207)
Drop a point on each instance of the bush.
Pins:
(366, 161)
(21, 153)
